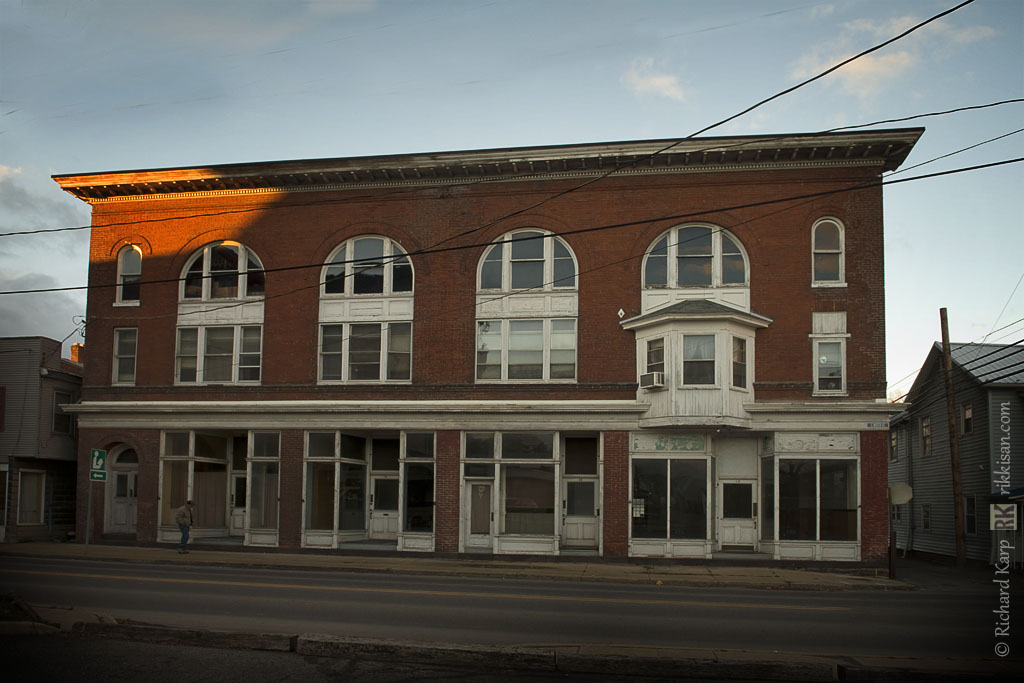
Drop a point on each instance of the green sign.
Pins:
(97, 476)
(97, 459)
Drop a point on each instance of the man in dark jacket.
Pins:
(183, 517)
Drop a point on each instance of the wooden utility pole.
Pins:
(954, 444)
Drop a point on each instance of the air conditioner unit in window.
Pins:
(652, 380)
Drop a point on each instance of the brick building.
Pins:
(591, 349)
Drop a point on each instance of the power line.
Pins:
(612, 226)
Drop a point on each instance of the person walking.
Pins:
(183, 517)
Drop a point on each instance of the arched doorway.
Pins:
(122, 487)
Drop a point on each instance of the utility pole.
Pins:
(954, 444)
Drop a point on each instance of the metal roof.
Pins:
(990, 363)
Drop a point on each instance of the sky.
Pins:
(103, 85)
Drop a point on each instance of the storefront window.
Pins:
(650, 499)
(352, 495)
(688, 499)
(797, 500)
(263, 498)
(818, 500)
(838, 500)
(419, 496)
(767, 499)
(529, 499)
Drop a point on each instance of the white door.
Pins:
(579, 513)
(237, 525)
(123, 504)
(479, 514)
(737, 513)
(384, 508)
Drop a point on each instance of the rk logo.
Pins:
(1003, 516)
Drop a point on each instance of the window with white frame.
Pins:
(698, 359)
(264, 479)
(510, 350)
(695, 256)
(368, 265)
(828, 253)
(219, 354)
(63, 423)
(830, 366)
(966, 419)
(31, 496)
(739, 362)
(366, 352)
(656, 355)
(527, 260)
(129, 274)
(125, 350)
(818, 499)
(223, 270)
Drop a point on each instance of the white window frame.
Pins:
(204, 254)
(658, 366)
(393, 253)
(841, 281)
(715, 376)
(818, 341)
(123, 274)
(57, 393)
(548, 277)
(385, 353)
(546, 324)
(116, 368)
(42, 497)
(200, 355)
(746, 363)
(672, 255)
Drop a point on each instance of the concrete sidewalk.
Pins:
(671, 662)
(554, 569)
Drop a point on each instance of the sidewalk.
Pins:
(704, 664)
(554, 569)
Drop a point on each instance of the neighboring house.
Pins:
(988, 388)
(38, 441)
(623, 349)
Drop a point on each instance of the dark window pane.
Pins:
(694, 241)
(515, 445)
(650, 499)
(767, 499)
(321, 445)
(419, 445)
(826, 237)
(129, 288)
(826, 267)
(689, 499)
(419, 497)
(797, 500)
(364, 352)
(694, 271)
(737, 501)
(527, 274)
(352, 492)
(529, 499)
(581, 455)
(479, 469)
(838, 500)
(580, 498)
(480, 445)
(525, 248)
(733, 270)
(384, 455)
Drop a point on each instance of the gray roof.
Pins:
(700, 308)
(990, 363)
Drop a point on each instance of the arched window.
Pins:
(828, 252)
(223, 270)
(368, 265)
(695, 256)
(129, 272)
(527, 260)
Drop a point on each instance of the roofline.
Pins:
(886, 148)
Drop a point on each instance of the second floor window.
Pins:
(528, 260)
(739, 362)
(699, 359)
(827, 235)
(125, 349)
(526, 350)
(656, 355)
(220, 355)
(366, 352)
(224, 270)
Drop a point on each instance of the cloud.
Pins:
(871, 75)
(24, 207)
(642, 79)
(51, 314)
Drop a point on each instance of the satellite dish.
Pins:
(900, 493)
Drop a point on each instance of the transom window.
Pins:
(368, 265)
(223, 270)
(695, 256)
(129, 273)
(528, 259)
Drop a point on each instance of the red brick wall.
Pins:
(615, 508)
(874, 516)
(291, 493)
(446, 492)
(297, 229)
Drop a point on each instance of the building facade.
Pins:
(38, 439)
(622, 349)
(988, 392)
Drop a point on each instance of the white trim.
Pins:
(119, 299)
(115, 368)
(841, 282)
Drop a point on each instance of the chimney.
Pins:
(76, 352)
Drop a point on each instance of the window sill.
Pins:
(829, 394)
(363, 382)
(829, 285)
(526, 381)
(126, 304)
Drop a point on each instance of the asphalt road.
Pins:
(918, 624)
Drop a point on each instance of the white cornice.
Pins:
(334, 407)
